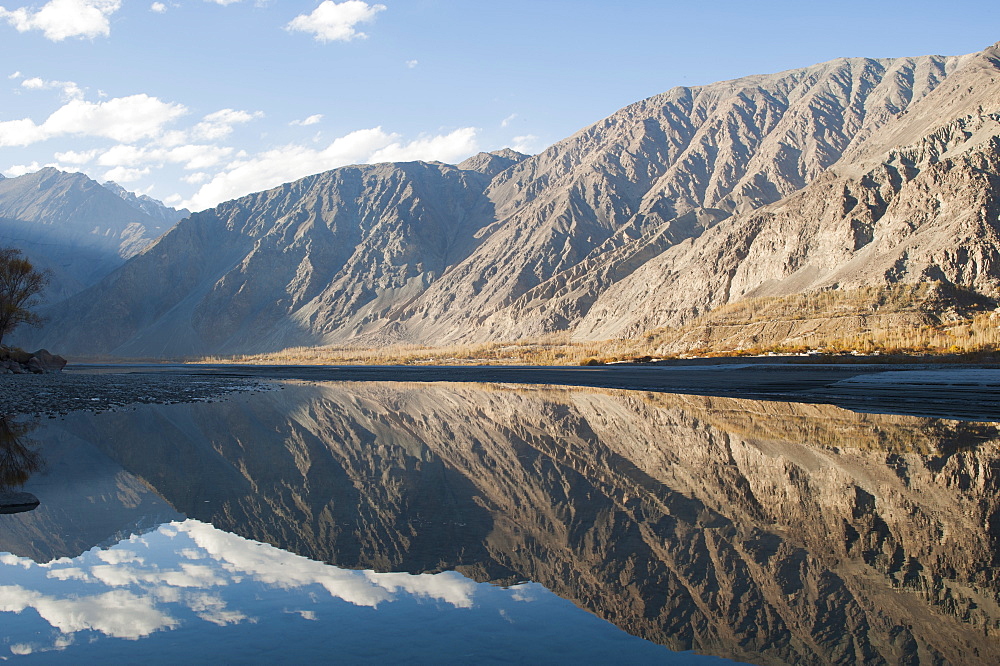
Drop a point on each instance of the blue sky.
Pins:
(199, 101)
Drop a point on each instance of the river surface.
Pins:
(380, 522)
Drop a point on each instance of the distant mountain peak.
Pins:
(70, 224)
(153, 207)
(493, 162)
(510, 154)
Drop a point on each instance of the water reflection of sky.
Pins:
(188, 592)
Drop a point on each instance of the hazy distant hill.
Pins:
(852, 172)
(75, 227)
(156, 209)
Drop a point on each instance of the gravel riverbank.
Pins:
(61, 393)
(951, 392)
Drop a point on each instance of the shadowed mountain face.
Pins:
(856, 171)
(766, 532)
(340, 249)
(75, 227)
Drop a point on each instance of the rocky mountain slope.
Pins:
(836, 175)
(335, 250)
(924, 210)
(71, 225)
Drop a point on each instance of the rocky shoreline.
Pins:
(965, 392)
(54, 394)
(19, 362)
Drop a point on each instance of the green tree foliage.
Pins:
(20, 285)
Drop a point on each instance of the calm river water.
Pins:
(457, 523)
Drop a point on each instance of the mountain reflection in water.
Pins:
(760, 531)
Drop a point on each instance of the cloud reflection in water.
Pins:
(186, 577)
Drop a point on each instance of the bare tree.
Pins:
(20, 285)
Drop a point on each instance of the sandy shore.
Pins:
(963, 392)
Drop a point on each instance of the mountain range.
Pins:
(76, 228)
(853, 173)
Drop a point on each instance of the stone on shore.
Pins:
(46, 362)
(17, 502)
(17, 362)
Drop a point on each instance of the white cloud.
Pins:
(191, 156)
(198, 156)
(288, 163)
(15, 75)
(158, 7)
(21, 169)
(445, 148)
(223, 2)
(197, 178)
(281, 165)
(412, 63)
(125, 175)
(69, 89)
(508, 120)
(335, 22)
(527, 143)
(122, 119)
(311, 120)
(126, 155)
(219, 125)
(60, 19)
(73, 157)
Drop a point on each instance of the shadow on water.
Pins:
(18, 461)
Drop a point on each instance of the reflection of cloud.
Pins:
(185, 575)
(71, 573)
(190, 570)
(363, 588)
(449, 586)
(118, 556)
(524, 593)
(212, 608)
(118, 613)
(61, 642)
